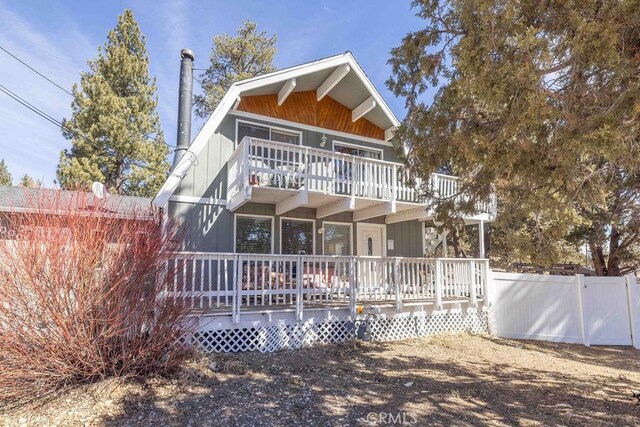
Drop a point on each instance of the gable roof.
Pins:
(352, 89)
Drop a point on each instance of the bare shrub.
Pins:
(81, 296)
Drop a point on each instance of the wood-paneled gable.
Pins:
(302, 107)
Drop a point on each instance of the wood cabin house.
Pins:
(293, 195)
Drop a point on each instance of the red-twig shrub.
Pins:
(81, 296)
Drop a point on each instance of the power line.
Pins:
(53, 121)
(146, 135)
(35, 71)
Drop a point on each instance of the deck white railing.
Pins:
(246, 281)
(259, 162)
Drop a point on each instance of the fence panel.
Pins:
(606, 311)
(538, 307)
(588, 310)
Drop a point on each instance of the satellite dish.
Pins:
(99, 190)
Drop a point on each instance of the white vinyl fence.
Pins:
(587, 310)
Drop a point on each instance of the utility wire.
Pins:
(52, 120)
(35, 71)
(146, 135)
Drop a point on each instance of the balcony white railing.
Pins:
(245, 281)
(263, 163)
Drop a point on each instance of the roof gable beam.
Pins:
(363, 109)
(388, 134)
(332, 80)
(286, 90)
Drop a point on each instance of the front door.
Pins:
(371, 270)
(369, 240)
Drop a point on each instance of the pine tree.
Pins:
(27, 182)
(246, 55)
(5, 175)
(114, 128)
(538, 101)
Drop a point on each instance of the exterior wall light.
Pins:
(323, 140)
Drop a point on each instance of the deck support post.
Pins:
(481, 248)
(398, 283)
(299, 290)
(237, 297)
(439, 276)
(445, 252)
(352, 287)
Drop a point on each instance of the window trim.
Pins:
(238, 121)
(350, 235)
(362, 147)
(235, 229)
(313, 232)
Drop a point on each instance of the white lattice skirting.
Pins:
(412, 325)
(265, 336)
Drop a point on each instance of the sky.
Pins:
(58, 37)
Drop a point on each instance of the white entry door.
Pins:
(370, 240)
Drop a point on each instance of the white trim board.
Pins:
(198, 200)
(282, 122)
(231, 97)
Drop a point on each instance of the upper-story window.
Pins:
(355, 150)
(266, 132)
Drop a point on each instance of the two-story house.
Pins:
(301, 160)
(293, 191)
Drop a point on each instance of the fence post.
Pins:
(352, 287)
(439, 284)
(487, 278)
(580, 284)
(632, 300)
(299, 289)
(473, 272)
(398, 283)
(237, 297)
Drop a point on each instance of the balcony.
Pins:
(291, 176)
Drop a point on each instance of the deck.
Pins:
(237, 284)
(292, 176)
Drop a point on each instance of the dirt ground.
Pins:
(445, 380)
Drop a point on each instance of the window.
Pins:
(283, 136)
(254, 234)
(296, 236)
(336, 239)
(266, 132)
(254, 131)
(354, 150)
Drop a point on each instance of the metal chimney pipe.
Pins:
(185, 98)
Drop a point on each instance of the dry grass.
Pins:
(446, 380)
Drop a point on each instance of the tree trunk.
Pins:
(457, 246)
(599, 263)
(613, 263)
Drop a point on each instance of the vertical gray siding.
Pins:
(407, 237)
